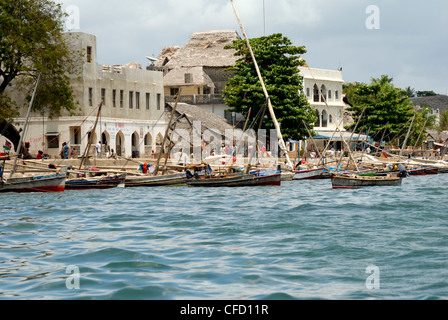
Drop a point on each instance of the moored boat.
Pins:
(354, 181)
(40, 183)
(237, 180)
(306, 174)
(155, 181)
(101, 182)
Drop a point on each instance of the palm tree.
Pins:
(443, 122)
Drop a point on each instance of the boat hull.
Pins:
(156, 181)
(356, 181)
(99, 183)
(51, 183)
(308, 174)
(245, 180)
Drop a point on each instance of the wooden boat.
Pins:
(101, 182)
(287, 176)
(423, 171)
(155, 181)
(355, 181)
(40, 183)
(432, 170)
(237, 180)
(306, 174)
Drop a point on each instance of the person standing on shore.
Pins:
(98, 149)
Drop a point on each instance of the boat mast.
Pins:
(19, 148)
(156, 170)
(271, 109)
(86, 151)
(407, 136)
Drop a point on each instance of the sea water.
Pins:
(300, 240)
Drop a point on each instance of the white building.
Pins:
(323, 89)
(132, 114)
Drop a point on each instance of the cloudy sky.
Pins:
(406, 40)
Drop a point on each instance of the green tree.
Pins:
(422, 122)
(32, 42)
(388, 110)
(426, 93)
(279, 62)
(443, 121)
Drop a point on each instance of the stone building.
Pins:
(132, 114)
(199, 69)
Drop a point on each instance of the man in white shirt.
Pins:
(98, 149)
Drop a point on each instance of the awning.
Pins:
(52, 134)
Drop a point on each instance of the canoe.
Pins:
(306, 174)
(237, 180)
(155, 181)
(100, 182)
(41, 183)
(353, 181)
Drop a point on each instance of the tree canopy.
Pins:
(32, 42)
(388, 109)
(279, 63)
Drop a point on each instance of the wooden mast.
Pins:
(86, 152)
(271, 109)
(156, 170)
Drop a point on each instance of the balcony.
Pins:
(197, 99)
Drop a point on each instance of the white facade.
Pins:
(324, 87)
(131, 118)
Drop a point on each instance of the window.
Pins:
(114, 98)
(147, 101)
(137, 100)
(336, 95)
(131, 99)
(75, 135)
(329, 94)
(103, 96)
(53, 141)
(89, 54)
(90, 97)
(308, 92)
(121, 98)
(316, 93)
(174, 91)
(159, 96)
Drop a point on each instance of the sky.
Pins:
(405, 40)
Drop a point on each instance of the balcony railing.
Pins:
(197, 99)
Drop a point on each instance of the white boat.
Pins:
(305, 174)
(40, 183)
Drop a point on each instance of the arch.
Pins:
(324, 119)
(317, 124)
(159, 140)
(105, 141)
(119, 143)
(316, 93)
(148, 143)
(323, 90)
(135, 145)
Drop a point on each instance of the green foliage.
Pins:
(426, 93)
(32, 43)
(388, 109)
(443, 123)
(423, 120)
(279, 63)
